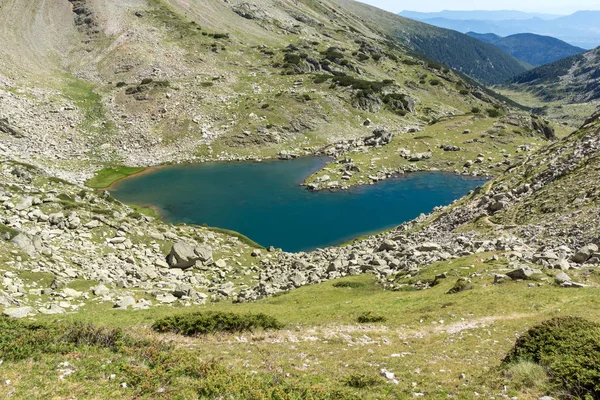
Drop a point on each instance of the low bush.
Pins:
(493, 112)
(475, 110)
(361, 381)
(202, 323)
(20, 340)
(353, 285)
(369, 317)
(568, 348)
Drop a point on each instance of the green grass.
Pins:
(242, 238)
(8, 230)
(108, 176)
(429, 338)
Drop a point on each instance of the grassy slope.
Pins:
(429, 339)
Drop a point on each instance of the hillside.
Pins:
(571, 80)
(480, 61)
(145, 83)
(510, 254)
(105, 300)
(578, 29)
(533, 49)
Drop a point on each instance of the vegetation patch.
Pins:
(351, 284)
(569, 349)
(107, 176)
(202, 323)
(7, 232)
(361, 381)
(369, 317)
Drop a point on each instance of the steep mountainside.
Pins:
(578, 29)
(480, 61)
(92, 84)
(533, 49)
(574, 80)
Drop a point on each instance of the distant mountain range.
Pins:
(573, 80)
(580, 29)
(499, 15)
(479, 60)
(531, 48)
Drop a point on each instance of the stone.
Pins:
(124, 302)
(182, 255)
(387, 245)
(52, 309)
(524, 272)
(18, 312)
(72, 293)
(24, 204)
(100, 290)
(561, 278)
(204, 254)
(585, 253)
(562, 265)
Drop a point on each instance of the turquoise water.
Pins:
(265, 202)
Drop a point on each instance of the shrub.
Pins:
(121, 84)
(344, 284)
(493, 112)
(202, 323)
(434, 82)
(568, 348)
(20, 340)
(291, 58)
(475, 110)
(464, 92)
(146, 81)
(361, 381)
(221, 35)
(368, 317)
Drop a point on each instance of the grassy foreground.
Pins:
(108, 176)
(438, 344)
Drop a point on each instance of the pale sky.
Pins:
(540, 6)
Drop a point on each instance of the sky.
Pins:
(540, 6)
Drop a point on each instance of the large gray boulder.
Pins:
(18, 312)
(182, 255)
(585, 253)
(30, 244)
(524, 272)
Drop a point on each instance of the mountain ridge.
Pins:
(533, 49)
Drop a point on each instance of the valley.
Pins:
(289, 200)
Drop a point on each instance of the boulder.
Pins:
(561, 278)
(182, 255)
(524, 272)
(387, 245)
(204, 254)
(585, 253)
(18, 312)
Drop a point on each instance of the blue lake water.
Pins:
(265, 201)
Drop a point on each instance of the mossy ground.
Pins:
(107, 176)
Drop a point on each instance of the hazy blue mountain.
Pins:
(485, 37)
(531, 48)
(581, 29)
(477, 15)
